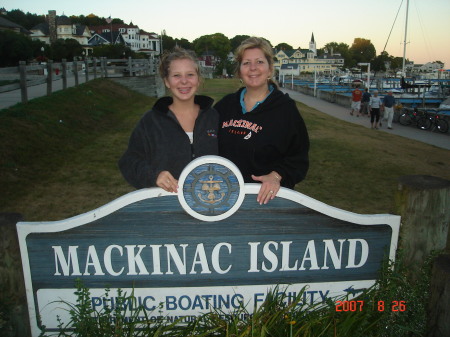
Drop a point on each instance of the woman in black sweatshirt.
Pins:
(260, 128)
(177, 130)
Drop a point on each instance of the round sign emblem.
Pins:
(211, 188)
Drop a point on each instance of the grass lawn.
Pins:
(357, 170)
(59, 154)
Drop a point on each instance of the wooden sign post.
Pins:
(212, 246)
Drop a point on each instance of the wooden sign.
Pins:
(212, 246)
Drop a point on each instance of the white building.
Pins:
(60, 27)
(429, 67)
(295, 62)
(137, 39)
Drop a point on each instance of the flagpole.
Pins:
(109, 20)
(112, 42)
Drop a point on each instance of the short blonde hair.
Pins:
(177, 54)
(251, 43)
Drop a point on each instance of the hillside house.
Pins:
(131, 35)
(61, 27)
(5, 24)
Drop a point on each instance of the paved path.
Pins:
(441, 140)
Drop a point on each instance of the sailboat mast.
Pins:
(404, 42)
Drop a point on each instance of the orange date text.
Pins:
(395, 306)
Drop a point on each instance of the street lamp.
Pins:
(368, 72)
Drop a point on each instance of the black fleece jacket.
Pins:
(159, 143)
(271, 137)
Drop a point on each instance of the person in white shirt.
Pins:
(374, 109)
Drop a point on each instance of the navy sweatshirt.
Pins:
(271, 137)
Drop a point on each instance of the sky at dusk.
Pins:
(289, 21)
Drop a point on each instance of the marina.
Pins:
(425, 92)
(431, 95)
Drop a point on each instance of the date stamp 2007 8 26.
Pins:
(343, 306)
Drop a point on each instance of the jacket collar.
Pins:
(162, 104)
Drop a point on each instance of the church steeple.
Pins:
(312, 45)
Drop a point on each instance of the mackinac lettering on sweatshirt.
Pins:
(241, 123)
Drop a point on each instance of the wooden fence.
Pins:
(24, 76)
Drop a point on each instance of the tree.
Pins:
(168, 42)
(38, 53)
(397, 63)
(115, 51)
(116, 21)
(27, 21)
(93, 20)
(217, 43)
(14, 47)
(341, 48)
(184, 43)
(237, 40)
(336, 47)
(73, 48)
(283, 46)
(66, 49)
(362, 50)
(17, 16)
(379, 62)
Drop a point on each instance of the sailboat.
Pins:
(421, 86)
(404, 84)
(404, 41)
(403, 73)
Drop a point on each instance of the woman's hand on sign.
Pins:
(167, 182)
(269, 188)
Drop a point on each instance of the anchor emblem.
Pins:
(210, 190)
(213, 188)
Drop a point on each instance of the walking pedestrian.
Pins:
(356, 101)
(374, 108)
(365, 102)
(388, 107)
